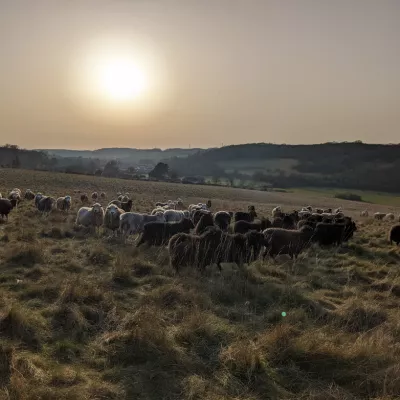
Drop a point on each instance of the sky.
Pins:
(217, 72)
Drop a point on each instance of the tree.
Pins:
(173, 174)
(111, 169)
(160, 171)
(16, 163)
(215, 180)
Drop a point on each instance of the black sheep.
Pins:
(206, 221)
(158, 233)
(45, 204)
(246, 216)
(123, 205)
(285, 241)
(214, 246)
(394, 234)
(198, 214)
(308, 222)
(194, 250)
(244, 226)
(333, 234)
(5, 207)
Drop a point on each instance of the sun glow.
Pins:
(120, 79)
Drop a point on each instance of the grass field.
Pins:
(86, 317)
(388, 199)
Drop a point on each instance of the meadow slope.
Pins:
(86, 317)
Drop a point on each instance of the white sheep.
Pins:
(364, 213)
(174, 215)
(91, 216)
(276, 211)
(132, 223)
(389, 217)
(64, 203)
(379, 215)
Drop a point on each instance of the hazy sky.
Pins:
(219, 71)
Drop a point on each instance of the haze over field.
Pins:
(86, 75)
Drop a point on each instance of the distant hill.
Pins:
(124, 155)
(346, 165)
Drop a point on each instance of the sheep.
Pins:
(29, 195)
(126, 206)
(389, 217)
(157, 210)
(112, 217)
(240, 248)
(276, 212)
(214, 246)
(84, 198)
(328, 210)
(174, 215)
(318, 210)
(64, 203)
(198, 214)
(95, 196)
(91, 216)
(244, 226)
(379, 215)
(37, 199)
(304, 214)
(288, 222)
(246, 216)
(5, 208)
(15, 196)
(194, 251)
(124, 199)
(223, 219)
(333, 234)
(159, 233)
(206, 221)
(103, 195)
(364, 213)
(394, 234)
(304, 222)
(277, 223)
(284, 241)
(45, 204)
(133, 223)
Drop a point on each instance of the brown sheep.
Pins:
(84, 198)
(245, 226)
(103, 195)
(284, 241)
(29, 195)
(95, 196)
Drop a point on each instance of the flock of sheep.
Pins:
(198, 237)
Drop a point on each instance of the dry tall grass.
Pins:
(85, 317)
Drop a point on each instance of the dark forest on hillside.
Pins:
(336, 165)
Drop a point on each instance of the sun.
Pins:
(120, 79)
